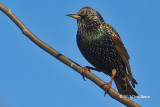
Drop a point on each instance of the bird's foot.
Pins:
(108, 85)
(95, 69)
(83, 70)
(87, 68)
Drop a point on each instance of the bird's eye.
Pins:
(83, 16)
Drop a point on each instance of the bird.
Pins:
(102, 47)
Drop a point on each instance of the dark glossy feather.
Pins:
(102, 46)
(121, 50)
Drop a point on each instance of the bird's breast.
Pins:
(98, 49)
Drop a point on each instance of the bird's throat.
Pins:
(91, 33)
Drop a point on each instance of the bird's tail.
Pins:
(124, 87)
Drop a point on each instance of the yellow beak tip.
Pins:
(73, 16)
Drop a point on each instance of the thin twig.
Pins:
(114, 94)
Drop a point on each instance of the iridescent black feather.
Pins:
(101, 45)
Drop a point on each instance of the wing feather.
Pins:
(121, 50)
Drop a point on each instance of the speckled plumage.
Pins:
(101, 45)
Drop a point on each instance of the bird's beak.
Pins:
(74, 16)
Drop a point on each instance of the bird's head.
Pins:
(87, 17)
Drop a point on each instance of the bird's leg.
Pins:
(95, 69)
(87, 68)
(108, 85)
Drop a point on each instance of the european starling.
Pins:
(102, 46)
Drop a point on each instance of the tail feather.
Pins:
(124, 87)
(133, 81)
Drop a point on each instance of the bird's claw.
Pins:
(107, 86)
(84, 69)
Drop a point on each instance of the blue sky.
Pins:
(29, 77)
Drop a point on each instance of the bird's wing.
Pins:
(120, 49)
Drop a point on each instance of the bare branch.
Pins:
(114, 94)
